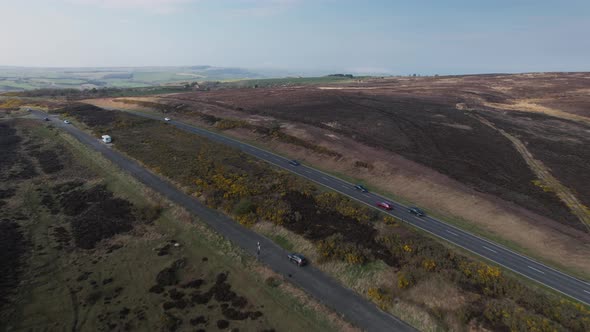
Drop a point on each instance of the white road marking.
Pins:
(307, 171)
(343, 186)
(452, 233)
(325, 178)
(367, 196)
(532, 268)
(492, 250)
(586, 291)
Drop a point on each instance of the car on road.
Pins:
(66, 121)
(416, 211)
(361, 188)
(294, 162)
(297, 259)
(46, 119)
(385, 205)
(167, 119)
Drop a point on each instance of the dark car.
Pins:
(385, 205)
(416, 211)
(297, 259)
(294, 162)
(46, 119)
(361, 188)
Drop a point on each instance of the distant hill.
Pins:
(24, 78)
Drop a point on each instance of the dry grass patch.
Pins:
(305, 300)
(437, 293)
(414, 315)
(533, 106)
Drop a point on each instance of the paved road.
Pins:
(324, 289)
(559, 281)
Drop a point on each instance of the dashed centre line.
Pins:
(532, 268)
(492, 250)
(453, 233)
(325, 178)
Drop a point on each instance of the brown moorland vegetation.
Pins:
(418, 118)
(547, 112)
(342, 230)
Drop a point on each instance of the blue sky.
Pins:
(399, 37)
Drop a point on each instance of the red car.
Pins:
(385, 205)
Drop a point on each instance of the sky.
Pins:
(369, 36)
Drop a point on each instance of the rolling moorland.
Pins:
(86, 248)
(505, 156)
(380, 258)
(385, 132)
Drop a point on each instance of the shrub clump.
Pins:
(334, 247)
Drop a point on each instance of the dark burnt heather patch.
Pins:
(96, 214)
(12, 248)
(101, 221)
(315, 223)
(169, 275)
(61, 236)
(6, 194)
(76, 201)
(14, 163)
(25, 169)
(48, 160)
(91, 115)
(9, 147)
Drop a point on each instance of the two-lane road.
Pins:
(323, 288)
(552, 278)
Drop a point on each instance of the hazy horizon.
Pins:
(299, 36)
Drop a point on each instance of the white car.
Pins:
(166, 119)
(66, 121)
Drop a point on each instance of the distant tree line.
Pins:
(341, 75)
(118, 75)
(75, 94)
